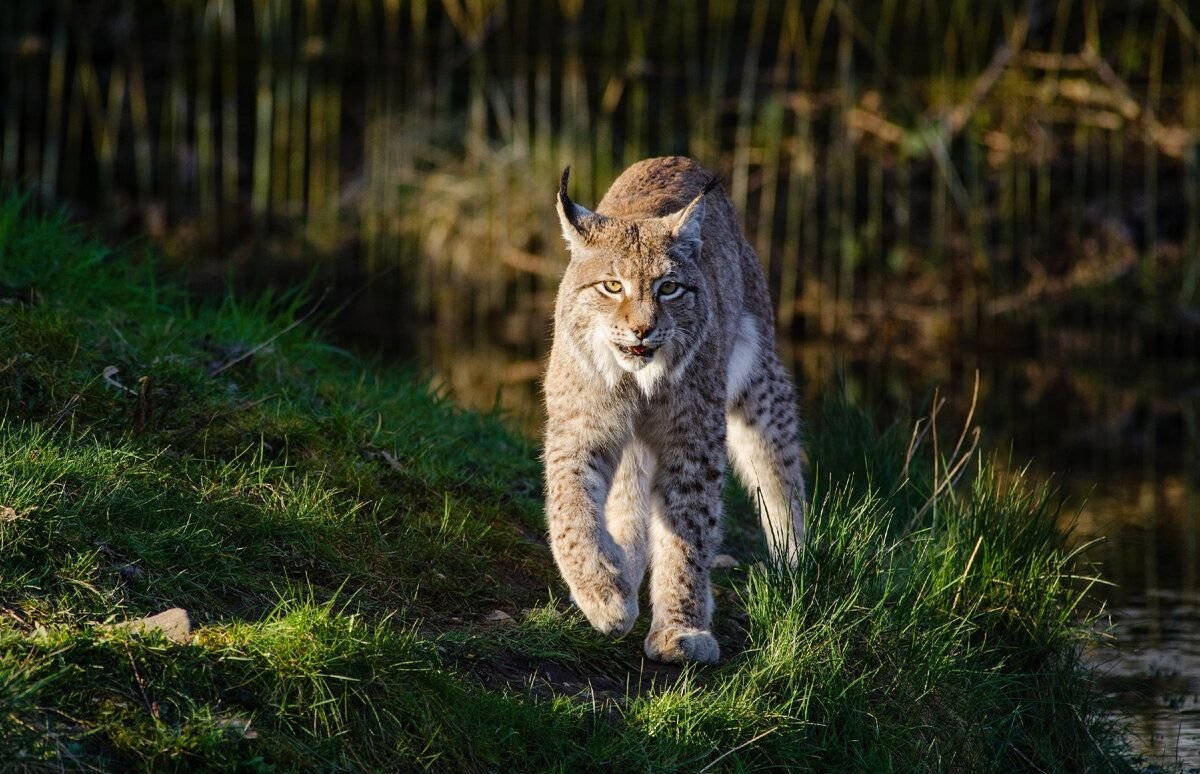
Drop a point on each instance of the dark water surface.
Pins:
(1118, 435)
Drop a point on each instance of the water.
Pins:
(934, 189)
(1153, 671)
(1120, 437)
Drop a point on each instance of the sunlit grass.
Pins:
(342, 538)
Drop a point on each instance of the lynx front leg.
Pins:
(685, 530)
(591, 562)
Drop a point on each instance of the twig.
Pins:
(952, 475)
(1096, 744)
(955, 464)
(261, 345)
(912, 444)
(66, 409)
(915, 441)
(963, 579)
(359, 291)
(747, 743)
(151, 706)
(46, 732)
(392, 462)
(1025, 758)
(939, 134)
(1185, 26)
(1170, 141)
(933, 432)
(932, 136)
(13, 615)
(110, 378)
(1042, 60)
(76, 398)
(1041, 288)
(1128, 105)
(959, 114)
(970, 415)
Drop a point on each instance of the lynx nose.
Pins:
(642, 329)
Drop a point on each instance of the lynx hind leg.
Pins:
(627, 512)
(764, 443)
(685, 530)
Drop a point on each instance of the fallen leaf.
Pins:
(110, 377)
(392, 462)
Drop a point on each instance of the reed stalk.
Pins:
(858, 160)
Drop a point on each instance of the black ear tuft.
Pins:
(562, 186)
(712, 183)
(569, 209)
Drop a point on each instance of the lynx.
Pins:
(664, 353)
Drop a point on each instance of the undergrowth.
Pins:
(365, 570)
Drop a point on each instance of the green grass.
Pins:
(340, 534)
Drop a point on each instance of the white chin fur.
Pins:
(647, 373)
(630, 363)
(612, 363)
(650, 374)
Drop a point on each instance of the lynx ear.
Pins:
(576, 221)
(685, 224)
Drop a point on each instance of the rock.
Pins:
(237, 727)
(498, 616)
(723, 562)
(130, 572)
(174, 624)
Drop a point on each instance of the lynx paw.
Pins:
(678, 645)
(608, 606)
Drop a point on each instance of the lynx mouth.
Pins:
(638, 350)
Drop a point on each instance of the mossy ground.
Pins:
(342, 537)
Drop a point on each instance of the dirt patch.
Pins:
(548, 679)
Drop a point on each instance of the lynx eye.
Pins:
(669, 289)
(612, 287)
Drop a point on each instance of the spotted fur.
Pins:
(647, 388)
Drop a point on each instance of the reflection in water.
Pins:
(1154, 670)
(1119, 438)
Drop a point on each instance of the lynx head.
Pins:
(633, 298)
